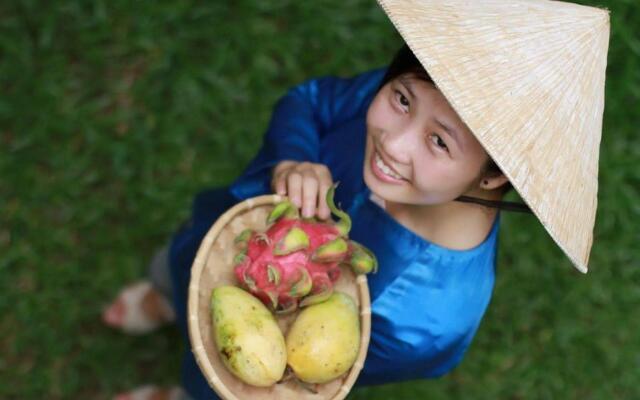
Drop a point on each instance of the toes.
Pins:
(114, 314)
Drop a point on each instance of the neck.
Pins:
(442, 223)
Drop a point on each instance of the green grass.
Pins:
(113, 114)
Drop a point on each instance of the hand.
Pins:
(306, 184)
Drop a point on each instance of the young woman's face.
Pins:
(418, 149)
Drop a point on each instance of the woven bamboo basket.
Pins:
(213, 267)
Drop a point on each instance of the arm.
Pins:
(299, 121)
(401, 355)
(425, 313)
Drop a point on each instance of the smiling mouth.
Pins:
(385, 168)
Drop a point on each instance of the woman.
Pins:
(416, 158)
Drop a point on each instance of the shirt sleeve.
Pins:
(299, 121)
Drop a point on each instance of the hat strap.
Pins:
(502, 205)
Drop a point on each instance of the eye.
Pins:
(437, 140)
(402, 100)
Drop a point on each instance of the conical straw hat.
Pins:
(527, 77)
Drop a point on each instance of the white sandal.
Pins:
(135, 321)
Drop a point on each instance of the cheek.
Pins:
(447, 174)
(473, 166)
(436, 174)
(464, 176)
(379, 114)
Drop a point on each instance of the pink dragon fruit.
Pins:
(297, 261)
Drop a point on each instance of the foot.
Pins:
(138, 309)
(152, 392)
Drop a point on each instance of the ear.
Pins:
(493, 181)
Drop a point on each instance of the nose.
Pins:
(398, 144)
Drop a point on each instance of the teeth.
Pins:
(385, 168)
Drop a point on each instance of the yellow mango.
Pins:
(324, 340)
(247, 337)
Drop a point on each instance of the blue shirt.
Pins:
(427, 300)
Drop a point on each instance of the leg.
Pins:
(169, 272)
(159, 274)
(208, 206)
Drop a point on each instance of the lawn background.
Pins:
(113, 114)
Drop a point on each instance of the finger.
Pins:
(309, 194)
(279, 174)
(281, 184)
(323, 173)
(294, 188)
(282, 165)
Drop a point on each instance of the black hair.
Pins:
(405, 62)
